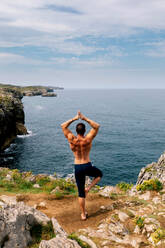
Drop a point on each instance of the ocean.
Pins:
(131, 134)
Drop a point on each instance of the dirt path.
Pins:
(67, 212)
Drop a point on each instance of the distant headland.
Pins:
(32, 90)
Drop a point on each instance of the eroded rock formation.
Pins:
(12, 117)
(153, 170)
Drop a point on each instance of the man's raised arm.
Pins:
(95, 126)
(66, 124)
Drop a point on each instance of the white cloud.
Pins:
(11, 58)
(79, 63)
(157, 49)
(108, 17)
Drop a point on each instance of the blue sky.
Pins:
(83, 44)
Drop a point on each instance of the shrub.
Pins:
(66, 185)
(25, 185)
(158, 235)
(152, 184)
(139, 221)
(4, 172)
(16, 175)
(42, 180)
(124, 186)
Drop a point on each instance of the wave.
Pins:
(30, 133)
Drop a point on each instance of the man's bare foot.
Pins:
(84, 217)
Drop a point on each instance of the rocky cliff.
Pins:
(12, 117)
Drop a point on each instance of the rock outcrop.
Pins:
(16, 221)
(12, 117)
(153, 171)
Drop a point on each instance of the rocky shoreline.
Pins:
(135, 214)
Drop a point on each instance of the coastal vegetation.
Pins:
(25, 182)
(152, 184)
(124, 186)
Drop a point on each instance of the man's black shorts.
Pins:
(82, 170)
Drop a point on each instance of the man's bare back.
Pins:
(80, 147)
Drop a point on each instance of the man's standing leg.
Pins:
(80, 181)
(82, 207)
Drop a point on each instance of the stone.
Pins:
(52, 177)
(31, 178)
(8, 199)
(122, 216)
(151, 221)
(57, 189)
(37, 186)
(41, 205)
(59, 242)
(107, 191)
(132, 191)
(58, 230)
(150, 228)
(8, 177)
(156, 200)
(118, 228)
(146, 196)
(88, 241)
(134, 241)
(137, 230)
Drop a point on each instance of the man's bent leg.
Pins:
(93, 172)
(94, 182)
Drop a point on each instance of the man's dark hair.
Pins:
(80, 128)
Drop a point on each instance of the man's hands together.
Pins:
(79, 116)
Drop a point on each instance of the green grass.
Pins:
(113, 196)
(79, 241)
(19, 183)
(39, 233)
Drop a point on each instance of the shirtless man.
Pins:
(81, 146)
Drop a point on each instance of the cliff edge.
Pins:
(12, 116)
